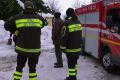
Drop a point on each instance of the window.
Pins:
(113, 16)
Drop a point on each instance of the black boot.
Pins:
(58, 65)
(70, 78)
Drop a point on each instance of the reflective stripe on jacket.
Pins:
(28, 23)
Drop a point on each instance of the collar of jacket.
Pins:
(29, 11)
(68, 18)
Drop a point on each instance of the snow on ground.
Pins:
(88, 69)
(3, 34)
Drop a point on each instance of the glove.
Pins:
(9, 41)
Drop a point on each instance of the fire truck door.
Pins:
(92, 33)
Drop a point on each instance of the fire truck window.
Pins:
(113, 16)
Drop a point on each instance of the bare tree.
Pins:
(54, 5)
(77, 4)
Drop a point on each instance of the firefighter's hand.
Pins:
(9, 41)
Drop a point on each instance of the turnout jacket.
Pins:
(27, 28)
(71, 37)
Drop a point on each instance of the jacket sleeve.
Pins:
(64, 40)
(42, 19)
(10, 25)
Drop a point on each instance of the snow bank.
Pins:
(46, 38)
(4, 35)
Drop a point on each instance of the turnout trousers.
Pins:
(21, 61)
(72, 65)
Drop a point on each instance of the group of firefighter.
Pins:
(66, 35)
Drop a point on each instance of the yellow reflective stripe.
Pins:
(73, 50)
(17, 77)
(75, 27)
(18, 73)
(28, 25)
(32, 74)
(76, 66)
(62, 47)
(27, 50)
(72, 70)
(72, 74)
(28, 20)
(32, 78)
(16, 32)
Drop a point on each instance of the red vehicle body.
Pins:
(101, 31)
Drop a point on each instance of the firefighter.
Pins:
(71, 42)
(28, 25)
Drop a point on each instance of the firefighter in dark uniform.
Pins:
(28, 25)
(71, 42)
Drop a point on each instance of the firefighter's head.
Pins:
(28, 5)
(57, 15)
(70, 11)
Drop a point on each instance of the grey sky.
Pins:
(69, 3)
(64, 4)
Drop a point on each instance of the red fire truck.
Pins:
(101, 31)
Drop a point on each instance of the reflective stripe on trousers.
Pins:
(32, 76)
(70, 50)
(17, 75)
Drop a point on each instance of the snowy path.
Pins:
(88, 67)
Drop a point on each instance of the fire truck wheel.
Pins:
(106, 61)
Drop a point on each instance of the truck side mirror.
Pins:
(114, 28)
(109, 25)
